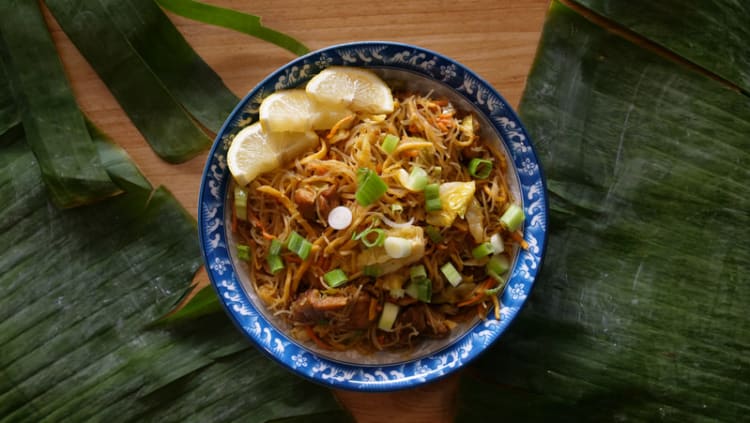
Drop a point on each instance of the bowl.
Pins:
(400, 65)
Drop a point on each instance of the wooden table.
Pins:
(495, 38)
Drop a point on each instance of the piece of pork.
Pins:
(349, 308)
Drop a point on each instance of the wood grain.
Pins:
(495, 38)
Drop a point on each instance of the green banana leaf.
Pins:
(161, 46)
(78, 291)
(153, 109)
(54, 126)
(713, 34)
(232, 19)
(641, 310)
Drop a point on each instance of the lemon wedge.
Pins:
(254, 151)
(294, 111)
(358, 89)
(286, 111)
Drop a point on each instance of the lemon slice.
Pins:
(254, 151)
(286, 111)
(294, 111)
(358, 89)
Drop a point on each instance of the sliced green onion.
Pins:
(417, 273)
(388, 316)
(299, 245)
(240, 203)
(480, 168)
(372, 271)
(434, 234)
(450, 273)
(275, 263)
(335, 278)
(420, 289)
(497, 266)
(243, 252)
(432, 197)
(397, 208)
(483, 250)
(513, 217)
(275, 248)
(397, 247)
(370, 188)
(389, 143)
(497, 243)
(364, 236)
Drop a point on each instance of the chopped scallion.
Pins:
(420, 289)
(397, 247)
(432, 197)
(275, 248)
(418, 179)
(243, 252)
(497, 243)
(366, 237)
(513, 217)
(417, 272)
(370, 188)
(397, 208)
(483, 250)
(480, 168)
(335, 278)
(389, 143)
(451, 274)
(388, 316)
(275, 263)
(240, 203)
(497, 266)
(299, 245)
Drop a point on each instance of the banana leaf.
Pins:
(640, 313)
(78, 291)
(232, 19)
(161, 46)
(153, 109)
(713, 34)
(54, 126)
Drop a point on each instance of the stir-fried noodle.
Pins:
(298, 198)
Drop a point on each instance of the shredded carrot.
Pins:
(518, 237)
(301, 272)
(478, 293)
(311, 333)
(441, 102)
(338, 126)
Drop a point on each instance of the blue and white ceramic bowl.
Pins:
(402, 66)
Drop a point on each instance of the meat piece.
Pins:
(327, 200)
(312, 306)
(426, 320)
(349, 308)
(304, 198)
(359, 316)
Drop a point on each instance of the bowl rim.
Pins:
(274, 342)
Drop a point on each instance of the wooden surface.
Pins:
(495, 38)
